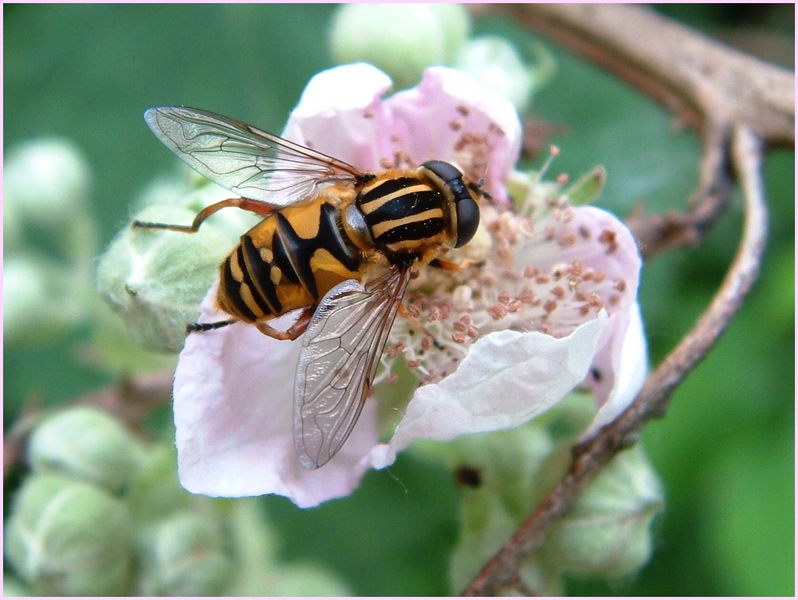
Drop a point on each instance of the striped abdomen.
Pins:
(405, 215)
(287, 261)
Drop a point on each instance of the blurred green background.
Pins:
(725, 450)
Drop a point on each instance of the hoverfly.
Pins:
(336, 243)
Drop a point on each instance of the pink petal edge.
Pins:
(233, 419)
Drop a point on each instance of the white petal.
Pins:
(232, 406)
(618, 261)
(585, 225)
(507, 378)
(630, 375)
(624, 264)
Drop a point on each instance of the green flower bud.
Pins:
(509, 463)
(503, 475)
(254, 544)
(304, 579)
(607, 531)
(501, 480)
(169, 190)
(182, 555)
(113, 349)
(154, 491)
(195, 194)
(85, 443)
(485, 524)
(401, 39)
(231, 222)
(46, 187)
(68, 538)
(567, 421)
(157, 278)
(539, 577)
(35, 309)
(46, 180)
(494, 62)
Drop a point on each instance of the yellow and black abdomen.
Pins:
(287, 261)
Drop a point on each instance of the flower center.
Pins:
(533, 276)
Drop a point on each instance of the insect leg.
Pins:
(293, 332)
(255, 206)
(452, 266)
(192, 327)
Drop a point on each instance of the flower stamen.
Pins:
(456, 309)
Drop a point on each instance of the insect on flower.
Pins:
(335, 243)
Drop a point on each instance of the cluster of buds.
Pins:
(102, 514)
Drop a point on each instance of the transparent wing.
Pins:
(243, 158)
(340, 352)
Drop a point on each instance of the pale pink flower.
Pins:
(553, 307)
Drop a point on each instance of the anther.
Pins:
(458, 337)
(414, 310)
(530, 271)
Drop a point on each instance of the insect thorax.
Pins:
(405, 215)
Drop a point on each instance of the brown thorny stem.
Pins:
(700, 81)
(737, 103)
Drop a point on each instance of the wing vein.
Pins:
(340, 354)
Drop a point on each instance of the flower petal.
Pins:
(449, 116)
(630, 373)
(233, 401)
(341, 114)
(619, 259)
(599, 242)
(507, 378)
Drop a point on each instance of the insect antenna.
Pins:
(478, 189)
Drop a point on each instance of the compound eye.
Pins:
(467, 221)
(446, 171)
